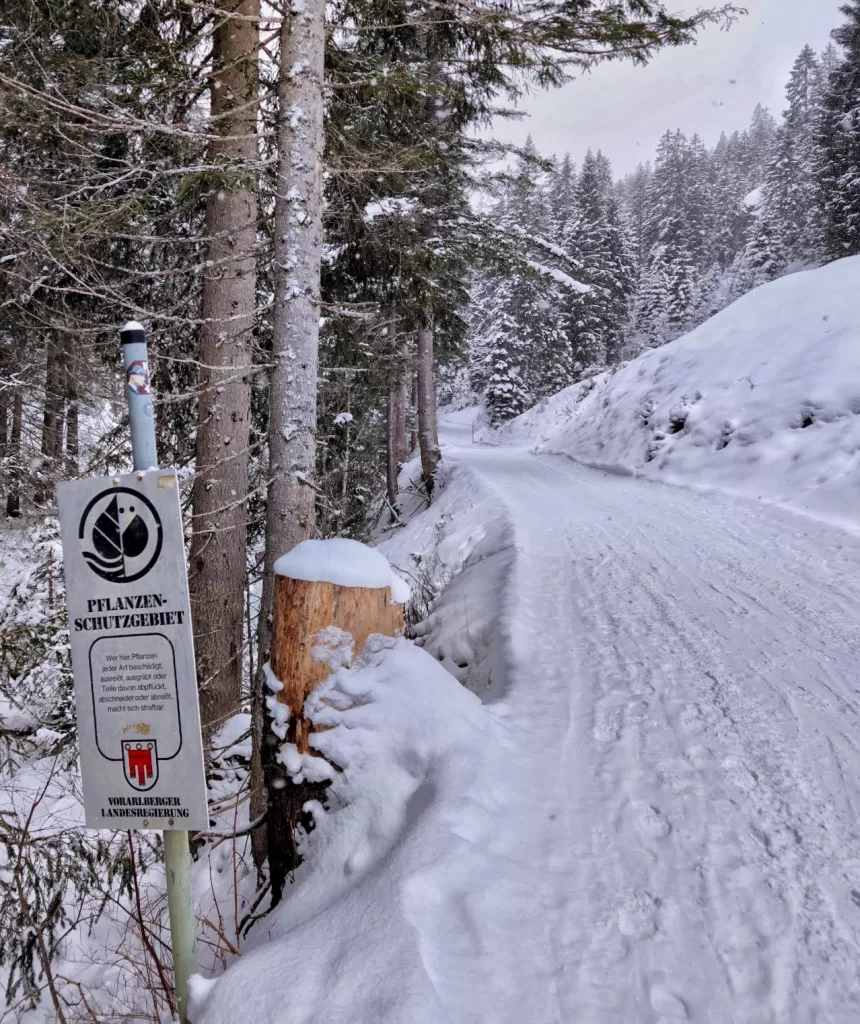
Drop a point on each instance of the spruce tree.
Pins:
(561, 199)
(674, 229)
(787, 230)
(507, 393)
(760, 139)
(838, 141)
(634, 191)
(597, 320)
(650, 319)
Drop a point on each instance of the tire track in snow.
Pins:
(689, 663)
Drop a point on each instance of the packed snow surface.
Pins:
(653, 816)
(344, 562)
(763, 399)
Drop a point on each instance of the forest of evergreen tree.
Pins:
(668, 246)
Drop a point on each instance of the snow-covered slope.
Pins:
(762, 399)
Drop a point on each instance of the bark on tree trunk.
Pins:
(13, 494)
(401, 401)
(52, 420)
(4, 422)
(72, 442)
(413, 433)
(52, 430)
(217, 556)
(291, 501)
(391, 447)
(396, 435)
(428, 435)
(401, 446)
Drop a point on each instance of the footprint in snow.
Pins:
(637, 915)
(650, 821)
(738, 774)
(607, 724)
(669, 1006)
(691, 719)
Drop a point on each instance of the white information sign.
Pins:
(133, 652)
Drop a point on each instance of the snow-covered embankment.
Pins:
(763, 399)
(373, 914)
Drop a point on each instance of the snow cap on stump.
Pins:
(343, 562)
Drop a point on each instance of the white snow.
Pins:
(559, 276)
(233, 739)
(279, 712)
(304, 767)
(272, 681)
(15, 720)
(654, 815)
(132, 325)
(343, 562)
(334, 647)
(390, 207)
(355, 939)
(763, 400)
(753, 200)
(544, 243)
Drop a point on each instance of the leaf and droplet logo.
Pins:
(121, 535)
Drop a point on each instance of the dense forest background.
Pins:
(666, 247)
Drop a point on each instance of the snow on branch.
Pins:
(559, 275)
(543, 243)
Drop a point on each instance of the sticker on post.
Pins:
(137, 377)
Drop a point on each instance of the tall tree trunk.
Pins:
(391, 446)
(13, 493)
(72, 440)
(401, 445)
(413, 408)
(290, 509)
(396, 434)
(52, 420)
(229, 285)
(428, 434)
(4, 420)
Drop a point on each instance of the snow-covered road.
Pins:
(684, 684)
(653, 816)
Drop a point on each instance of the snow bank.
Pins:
(458, 554)
(349, 944)
(763, 399)
(344, 562)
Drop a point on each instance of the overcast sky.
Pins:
(624, 110)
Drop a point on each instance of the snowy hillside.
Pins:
(763, 399)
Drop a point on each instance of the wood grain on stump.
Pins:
(301, 611)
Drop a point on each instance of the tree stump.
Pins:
(301, 611)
